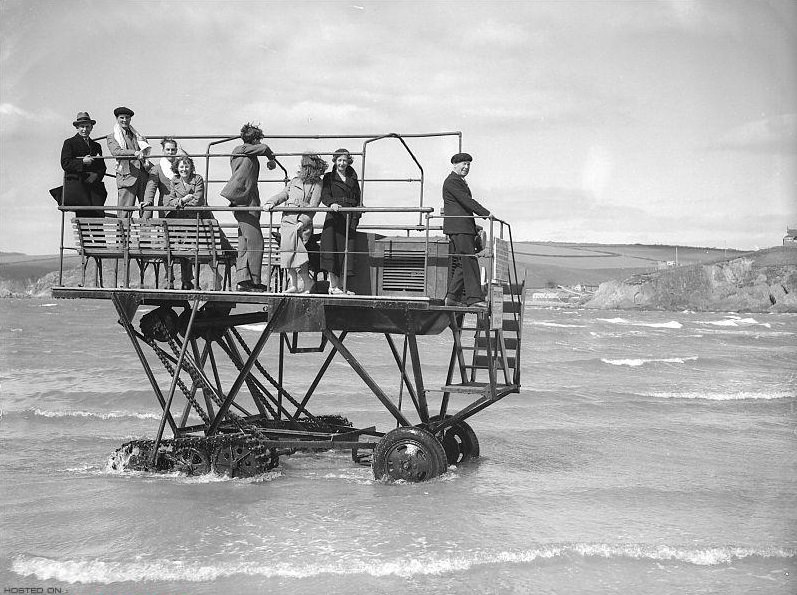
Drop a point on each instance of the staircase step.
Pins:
(512, 307)
(482, 362)
(510, 325)
(482, 388)
(509, 342)
(513, 288)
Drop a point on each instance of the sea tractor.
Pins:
(223, 402)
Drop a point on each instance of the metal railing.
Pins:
(425, 214)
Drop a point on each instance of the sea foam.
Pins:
(622, 321)
(635, 362)
(93, 414)
(141, 570)
(723, 396)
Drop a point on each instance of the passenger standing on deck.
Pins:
(464, 281)
(186, 190)
(241, 191)
(296, 228)
(131, 173)
(340, 188)
(160, 176)
(83, 184)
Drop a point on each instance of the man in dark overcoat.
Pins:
(241, 190)
(459, 207)
(83, 173)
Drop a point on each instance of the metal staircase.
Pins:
(494, 367)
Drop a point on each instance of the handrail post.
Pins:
(491, 266)
(61, 249)
(196, 255)
(426, 256)
(270, 251)
(345, 270)
(126, 247)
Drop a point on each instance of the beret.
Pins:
(122, 110)
(460, 157)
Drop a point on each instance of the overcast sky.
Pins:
(666, 122)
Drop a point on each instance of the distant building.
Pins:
(790, 239)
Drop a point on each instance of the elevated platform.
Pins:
(301, 312)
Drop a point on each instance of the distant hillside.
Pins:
(22, 266)
(762, 281)
(629, 276)
(548, 264)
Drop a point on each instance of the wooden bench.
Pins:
(98, 239)
(157, 241)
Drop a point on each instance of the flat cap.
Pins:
(122, 110)
(460, 157)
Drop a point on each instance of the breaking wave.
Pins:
(723, 396)
(635, 362)
(735, 321)
(110, 571)
(92, 414)
(623, 321)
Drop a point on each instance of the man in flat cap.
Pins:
(83, 172)
(459, 207)
(131, 149)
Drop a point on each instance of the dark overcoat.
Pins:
(77, 190)
(333, 237)
(459, 206)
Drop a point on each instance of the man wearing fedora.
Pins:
(84, 168)
(459, 208)
(130, 149)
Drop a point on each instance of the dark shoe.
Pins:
(454, 303)
(259, 287)
(482, 305)
(188, 286)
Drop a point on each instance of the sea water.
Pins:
(648, 452)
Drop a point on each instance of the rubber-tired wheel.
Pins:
(191, 460)
(411, 454)
(459, 442)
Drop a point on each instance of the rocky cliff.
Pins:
(764, 281)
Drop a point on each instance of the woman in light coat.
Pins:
(296, 228)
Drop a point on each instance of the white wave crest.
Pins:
(723, 396)
(635, 362)
(109, 571)
(558, 325)
(735, 321)
(94, 414)
(670, 324)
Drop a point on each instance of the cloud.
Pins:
(773, 135)
(7, 109)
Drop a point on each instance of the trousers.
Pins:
(250, 247)
(463, 276)
(130, 195)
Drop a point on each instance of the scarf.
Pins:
(121, 138)
(166, 167)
